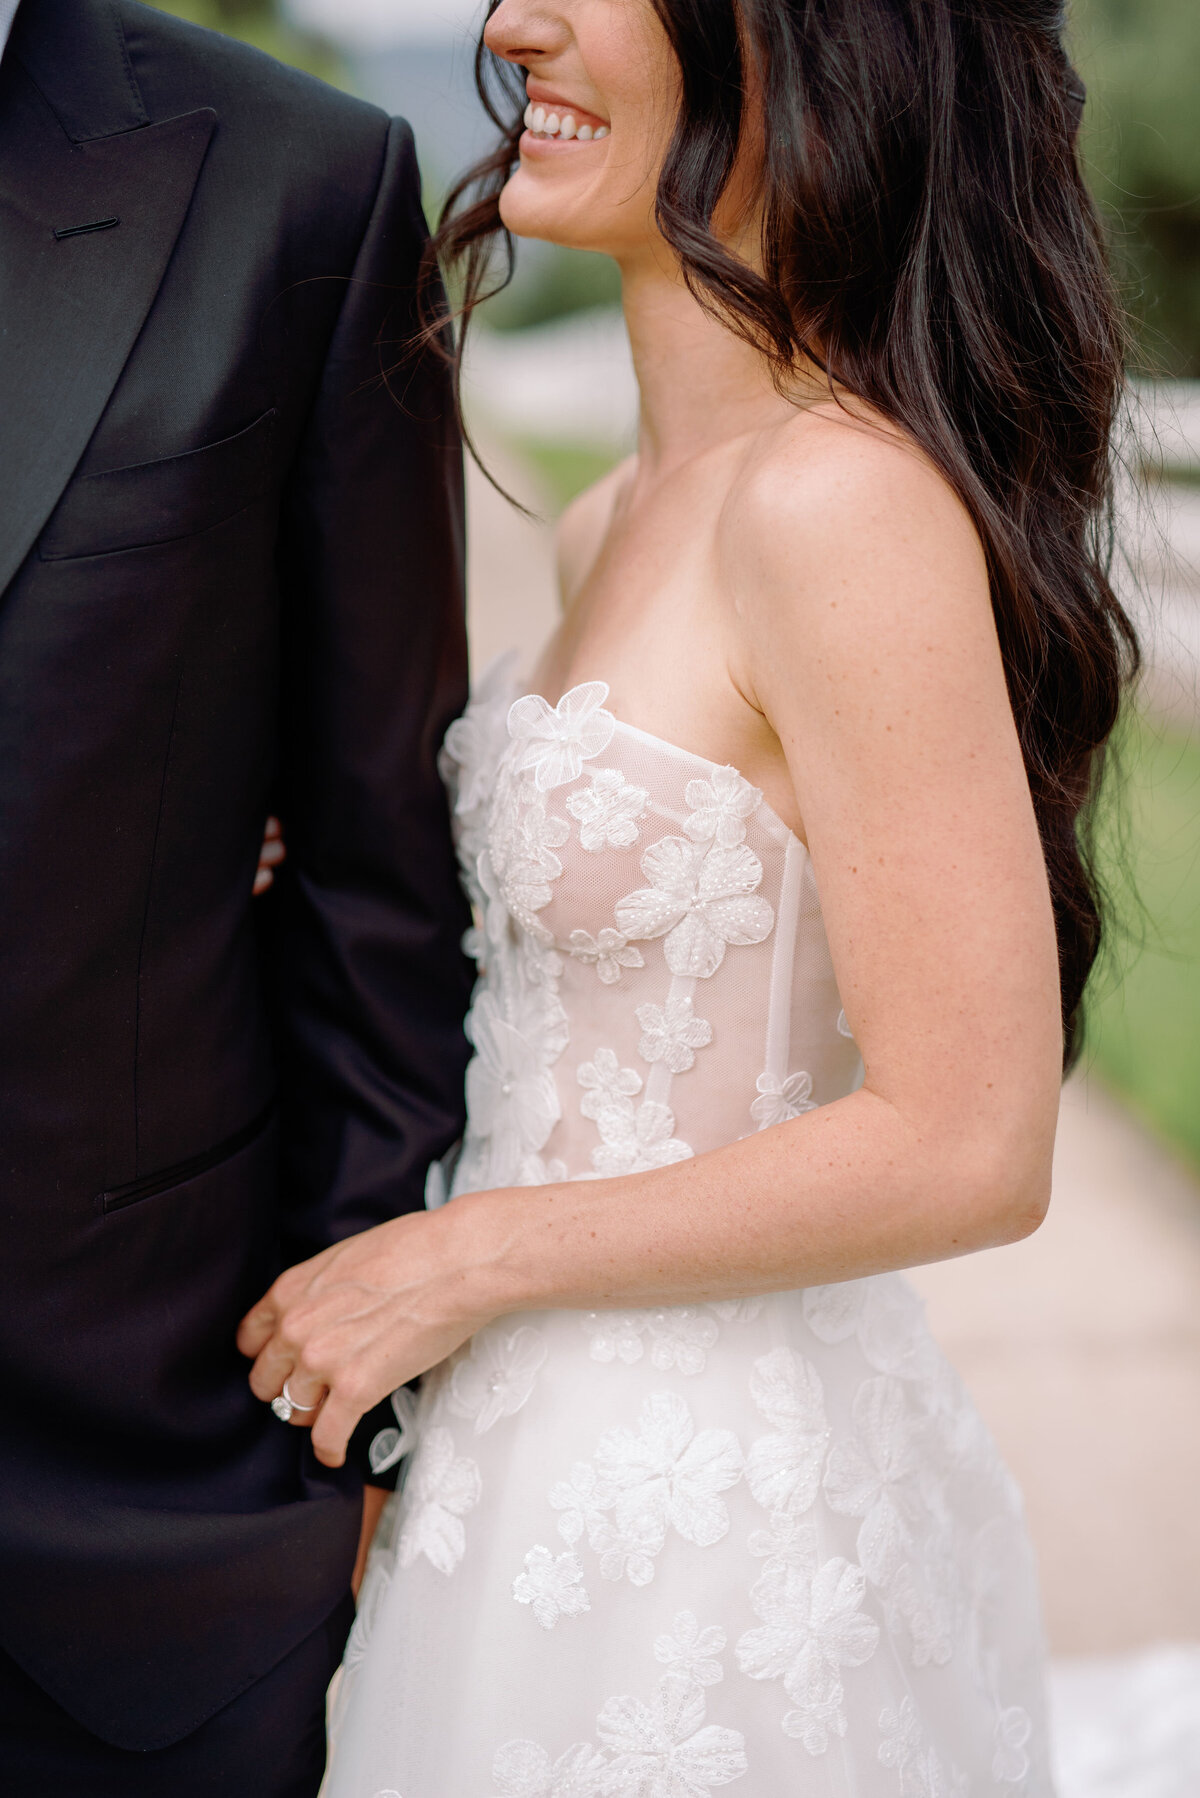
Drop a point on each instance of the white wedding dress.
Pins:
(765, 1543)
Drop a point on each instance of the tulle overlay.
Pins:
(765, 1543)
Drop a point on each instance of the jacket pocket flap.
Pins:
(152, 502)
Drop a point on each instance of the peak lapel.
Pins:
(71, 306)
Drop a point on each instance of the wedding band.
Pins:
(285, 1405)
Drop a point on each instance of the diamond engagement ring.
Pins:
(285, 1405)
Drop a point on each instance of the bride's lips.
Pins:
(554, 123)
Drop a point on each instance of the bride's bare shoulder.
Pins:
(839, 515)
(583, 527)
(838, 479)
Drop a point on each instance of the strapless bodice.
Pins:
(655, 979)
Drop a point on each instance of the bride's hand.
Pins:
(361, 1318)
(273, 851)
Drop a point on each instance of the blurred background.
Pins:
(1082, 1345)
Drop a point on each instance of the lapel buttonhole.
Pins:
(82, 230)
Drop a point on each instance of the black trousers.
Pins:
(269, 1743)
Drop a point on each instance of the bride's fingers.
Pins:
(274, 1365)
(307, 1397)
(335, 1424)
(257, 1328)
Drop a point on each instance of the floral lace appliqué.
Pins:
(442, 1488)
(720, 807)
(700, 899)
(609, 811)
(497, 1374)
(779, 1101)
(608, 952)
(812, 1627)
(552, 1585)
(555, 741)
(671, 1033)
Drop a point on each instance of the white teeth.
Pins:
(529, 116)
(552, 123)
(567, 128)
(538, 121)
(599, 132)
(561, 125)
(584, 134)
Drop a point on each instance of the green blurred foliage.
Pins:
(1143, 1013)
(259, 22)
(1141, 141)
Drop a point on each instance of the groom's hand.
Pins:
(364, 1317)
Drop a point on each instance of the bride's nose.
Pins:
(524, 31)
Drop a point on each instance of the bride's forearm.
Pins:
(850, 1189)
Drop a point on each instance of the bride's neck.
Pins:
(699, 383)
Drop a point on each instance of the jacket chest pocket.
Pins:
(154, 502)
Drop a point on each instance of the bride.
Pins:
(782, 919)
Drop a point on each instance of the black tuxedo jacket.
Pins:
(230, 579)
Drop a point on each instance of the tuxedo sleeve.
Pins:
(366, 923)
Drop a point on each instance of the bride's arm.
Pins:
(869, 646)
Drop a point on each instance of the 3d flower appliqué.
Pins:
(524, 1770)
(442, 1487)
(552, 1585)
(680, 1339)
(812, 1627)
(497, 1374)
(671, 1033)
(608, 952)
(720, 807)
(700, 899)
(634, 1141)
(606, 1084)
(783, 1470)
(609, 811)
(691, 1652)
(670, 1472)
(779, 1101)
(555, 741)
(511, 1094)
(666, 1747)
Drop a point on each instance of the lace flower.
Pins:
(627, 1551)
(473, 744)
(511, 1095)
(553, 1585)
(608, 952)
(555, 742)
(633, 1142)
(442, 1487)
(700, 900)
(615, 1335)
(496, 1376)
(606, 1084)
(691, 1652)
(609, 811)
(580, 1502)
(525, 1770)
(783, 1470)
(720, 807)
(812, 1627)
(666, 1747)
(1010, 1763)
(872, 1476)
(669, 1472)
(779, 1101)
(672, 1034)
(681, 1338)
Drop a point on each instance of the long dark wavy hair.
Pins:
(928, 241)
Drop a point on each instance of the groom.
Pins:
(230, 582)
